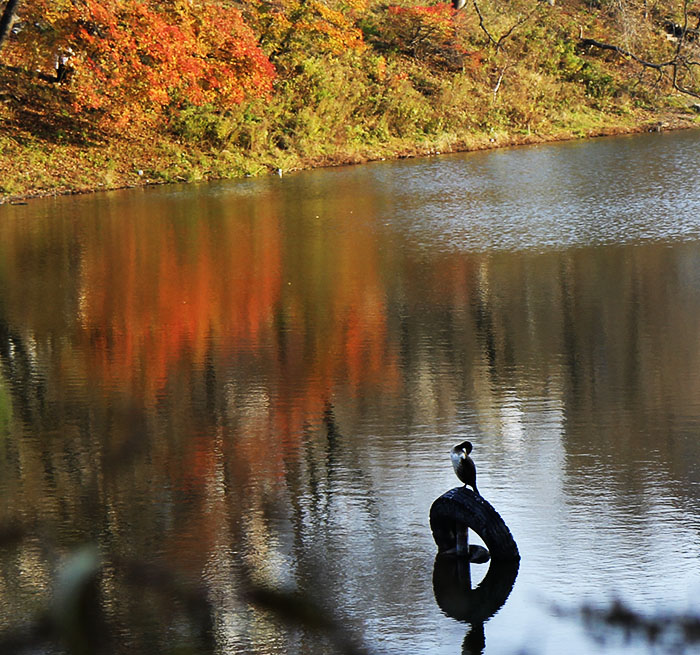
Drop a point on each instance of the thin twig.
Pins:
(499, 41)
(515, 25)
(481, 24)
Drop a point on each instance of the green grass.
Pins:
(333, 109)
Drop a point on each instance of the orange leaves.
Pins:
(133, 61)
(422, 29)
(150, 296)
(185, 62)
(132, 58)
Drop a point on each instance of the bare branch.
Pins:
(676, 82)
(677, 64)
(515, 25)
(481, 24)
(625, 53)
(499, 41)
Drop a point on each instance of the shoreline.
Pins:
(661, 123)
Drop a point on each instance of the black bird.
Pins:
(463, 464)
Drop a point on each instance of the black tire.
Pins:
(461, 506)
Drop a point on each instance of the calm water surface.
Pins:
(261, 381)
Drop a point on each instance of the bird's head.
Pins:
(464, 448)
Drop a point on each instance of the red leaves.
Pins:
(132, 58)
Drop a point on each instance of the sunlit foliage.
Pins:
(308, 26)
(132, 59)
(423, 28)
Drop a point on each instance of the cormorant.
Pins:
(463, 464)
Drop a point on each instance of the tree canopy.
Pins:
(131, 59)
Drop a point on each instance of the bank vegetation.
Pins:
(113, 94)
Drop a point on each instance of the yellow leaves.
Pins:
(338, 29)
(357, 6)
(307, 25)
(54, 11)
(377, 68)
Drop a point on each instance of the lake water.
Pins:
(254, 385)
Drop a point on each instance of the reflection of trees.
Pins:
(193, 390)
(609, 333)
(18, 367)
(163, 419)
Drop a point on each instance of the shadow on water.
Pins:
(456, 598)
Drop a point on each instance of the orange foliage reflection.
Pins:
(154, 292)
(164, 297)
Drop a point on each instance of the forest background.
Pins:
(100, 95)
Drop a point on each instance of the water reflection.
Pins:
(265, 379)
(452, 586)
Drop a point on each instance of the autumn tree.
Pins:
(131, 59)
(421, 30)
(298, 26)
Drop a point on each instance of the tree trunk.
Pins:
(7, 19)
